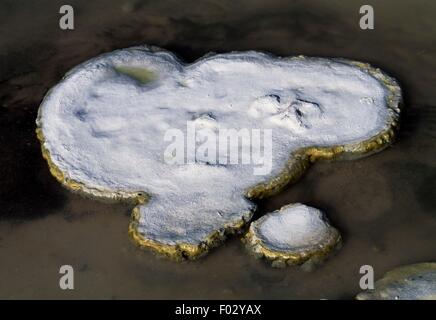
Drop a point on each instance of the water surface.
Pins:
(384, 205)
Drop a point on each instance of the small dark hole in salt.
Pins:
(275, 96)
(81, 114)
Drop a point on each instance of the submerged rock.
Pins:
(412, 282)
(293, 235)
(106, 129)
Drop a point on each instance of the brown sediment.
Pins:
(142, 75)
(296, 166)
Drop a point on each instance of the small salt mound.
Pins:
(292, 235)
(413, 282)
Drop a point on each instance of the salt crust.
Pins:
(102, 132)
(293, 235)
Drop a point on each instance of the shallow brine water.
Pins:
(384, 205)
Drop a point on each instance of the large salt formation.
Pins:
(103, 132)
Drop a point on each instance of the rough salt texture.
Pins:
(292, 235)
(102, 129)
(413, 282)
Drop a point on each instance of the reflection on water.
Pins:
(384, 205)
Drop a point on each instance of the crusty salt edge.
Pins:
(183, 251)
(315, 253)
(177, 252)
(298, 163)
(301, 159)
(395, 282)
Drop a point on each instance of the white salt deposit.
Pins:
(295, 234)
(295, 228)
(104, 127)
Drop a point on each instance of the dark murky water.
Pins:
(384, 205)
